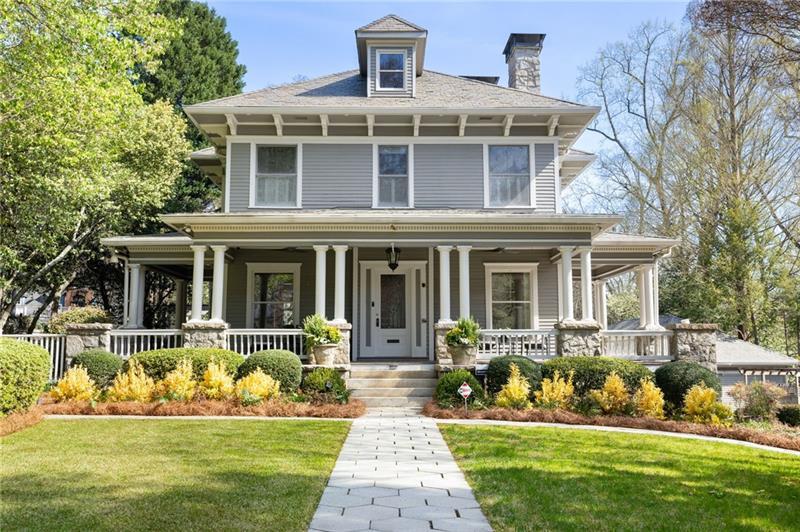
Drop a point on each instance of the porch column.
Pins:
(566, 283)
(140, 296)
(463, 281)
(600, 302)
(319, 289)
(647, 273)
(656, 302)
(197, 282)
(180, 302)
(444, 283)
(133, 295)
(642, 304)
(586, 284)
(340, 252)
(126, 296)
(218, 282)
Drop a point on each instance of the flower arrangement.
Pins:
(465, 333)
(318, 332)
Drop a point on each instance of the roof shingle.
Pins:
(390, 23)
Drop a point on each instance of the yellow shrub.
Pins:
(75, 385)
(613, 397)
(701, 406)
(514, 393)
(178, 384)
(555, 392)
(216, 384)
(256, 387)
(649, 400)
(133, 385)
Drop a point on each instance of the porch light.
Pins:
(393, 257)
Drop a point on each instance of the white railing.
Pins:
(248, 341)
(127, 342)
(535, 344)
(55, 344)
(636, 344)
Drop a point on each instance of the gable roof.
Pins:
(390, 23)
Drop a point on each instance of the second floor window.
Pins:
(392, 176)
(391, 70)
(509, 176)
(276, 176)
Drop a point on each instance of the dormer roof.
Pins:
(391, 28)
(391, 23)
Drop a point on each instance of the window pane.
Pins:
(509, 160)
(276, 191)
(511, 287)
(277, 160)
(393, 191)
(393, 301)
(391, 80)
(272, 315)
(509, 191)
(273, 287)
(391, 61)
(511, 316)
(393, 160)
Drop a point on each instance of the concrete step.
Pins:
(400, 402)
(355, 384)
(393, 392)
(358, 373)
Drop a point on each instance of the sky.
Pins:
(281, 40)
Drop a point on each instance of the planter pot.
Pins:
(463, 355)
(325, 354)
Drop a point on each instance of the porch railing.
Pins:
(248, 341)
(128, 342)
(535, 344)
(55, 344)
(636, 344)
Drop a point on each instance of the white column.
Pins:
(586, 284)
(444, 283)
(197, 282)
(319, 289)
(218, 282)
(602, 309)
(566, 283)
(133, 296)
(463, 281)
(647, 271)
(642, 303)
(655, 294)
(340, 252)
(126, 300)
(140, 296)
(180, 302)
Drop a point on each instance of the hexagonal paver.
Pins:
(401, 524)
(373, 492)
(402, 501)
(339, 524)
(344, 501)
(327, 511)
(427, 512)
(371, 512)
(424, 492)
(461, 525)
(474, 514)
(453, 502)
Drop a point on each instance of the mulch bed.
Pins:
(17, 421)
(570, 418)
(353, 409)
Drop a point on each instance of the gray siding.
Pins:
(448, 175)
(240, 177)
(337, 175)
(545, 174)
(373, 59)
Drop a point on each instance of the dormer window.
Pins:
(391, 70)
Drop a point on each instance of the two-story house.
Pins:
(394, 199)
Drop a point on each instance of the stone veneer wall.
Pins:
(204, 334)
(524, 68)
(83, 336)
(577, 338)
(695, 342)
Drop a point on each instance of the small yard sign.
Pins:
(465, 391)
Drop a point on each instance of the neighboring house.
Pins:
(392, 198)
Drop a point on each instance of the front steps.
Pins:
(392, 385)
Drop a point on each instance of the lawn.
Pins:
(166, 474)
(561, 479)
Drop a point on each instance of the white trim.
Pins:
(369, 71)
(414, 70)
(453, 110)
(531, 268)
(557, 171)
(355, 309)
(254, 145)
(506, 141)
(430, 318)
(273, 267)
(390, 51)
(228, 157)
(376, 176)
(272, 140)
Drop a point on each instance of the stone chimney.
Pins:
(522, 57)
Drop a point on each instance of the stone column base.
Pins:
(204, 334)
(578, 338)
(441, 351)
(343, 356)
(695, 342)
(83, 336)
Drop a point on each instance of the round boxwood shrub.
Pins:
(446, 394)
(101, 365)
(789, 415)
(283, 366)
(677, 378)
(24, 372)
(58, 322)
(159, 362)
(500, 368)
(325, 385)
(589, 373)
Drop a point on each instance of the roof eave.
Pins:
(206, 109)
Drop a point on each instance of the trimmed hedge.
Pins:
(446, 394)
(789, 415)
(500, 368)
(590, 372)
(159, 362)
(24, 372)
(677, 378)
(326, 385)
(101, 365)
(58, 321)
(283, 366)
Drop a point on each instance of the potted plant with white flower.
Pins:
(322, 340)
(462, 341)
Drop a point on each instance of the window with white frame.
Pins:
(273, 295)
(393, 176)
(509, 169)
(391, 70)
(276, 176)
(512, 296)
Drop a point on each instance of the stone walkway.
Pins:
(395, 472)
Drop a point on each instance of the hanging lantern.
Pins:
(393, 257)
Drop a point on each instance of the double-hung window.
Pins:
(391, 70)
(276, 176)
(393, 176)
(509, 176)
(511, 293)
(273, 295)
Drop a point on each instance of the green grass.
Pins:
(166, 475)
(560, 479)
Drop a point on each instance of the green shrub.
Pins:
(590, 373)
(447, 395)
(159, 362)
(325, 385)
(500, 368)
(101, 366)
(318, 332)
(283, 366)
(58, 322)
(758, 400)
(24, 372)
(465, 333)
(676, 378)
(789, 415)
